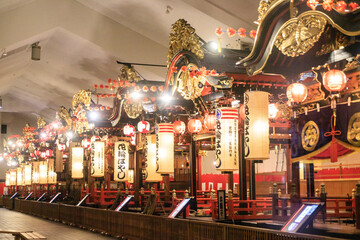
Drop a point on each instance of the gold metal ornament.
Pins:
(189, 87)
(298, 35)
(128, 74)
(264, 6)
(40, 122)
(353, 133)
(63, 114)
(81, 97)
(183, 37)
(334, 40)
(310, 136)
(133, 110)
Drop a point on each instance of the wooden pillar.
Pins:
(242, 167)
(167, 187)
(288, 172)
(193, 173)
(231, 181)
(310, 184)
(252, 180)
(295, 175)
(137, 170)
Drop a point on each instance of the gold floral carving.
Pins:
(298, 35)
(81, 97)
(190, 87)
(63, 114)
(128, 74)
(82, 124)
(183, 37)
(353, 133)
(353, 64)
(264, 6)
(40, 122)
(334, 40)
(133, 110)
(310, 136)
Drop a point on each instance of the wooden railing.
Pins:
(138, 226)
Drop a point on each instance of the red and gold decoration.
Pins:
(227, 136)
(165, 148)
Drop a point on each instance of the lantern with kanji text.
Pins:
(194, 125)
(334, 80)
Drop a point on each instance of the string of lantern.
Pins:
(328, 5)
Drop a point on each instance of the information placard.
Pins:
(180, 208)
(124, 203)
(302, 217)
(221, 204)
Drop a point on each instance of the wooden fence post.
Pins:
(275, 203)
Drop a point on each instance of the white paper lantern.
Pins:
(121, 161)
(97, 159)
(165, 148)
(150, 173)
(131, 176)
(77, 162)
(52, 177)
(256, 128)
(20, 176)
(7, 179)
(43, 172)
(13, 177)
(35, 172)
(27, 174)
(227, 137)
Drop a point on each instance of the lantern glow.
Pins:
(61, 147)
(97, 159)
(129, 130)
(7, 179)
(86, 143)
(77, 159)
(334, 80)
(121, 161)
(179, 127)
(143, 127)
(43, 172)
(13, 177)
(273, 111)
(210, 121)
(20, 176)
(27, 174)
(165, 148)
(150, 156)
(296, 92)
(194, 125)
(227, 136)
(52, 177)
(257, 126)
(35, 172)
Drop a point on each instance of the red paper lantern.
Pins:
(49, 153)
(61, 147)
(37, 153)
(43, 155)
(210, 121)
(129, 130)
(194, 125)
(143, 127)
(179, 127)
(334, 80)
(296, 92)
(86, 143)
(95, 138)
(274, 112)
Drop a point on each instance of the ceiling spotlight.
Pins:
(35, 51)
(166, 98)
(93, 116)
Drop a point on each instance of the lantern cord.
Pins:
(333, 133)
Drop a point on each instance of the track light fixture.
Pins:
(35, 51)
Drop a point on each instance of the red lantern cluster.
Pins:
(179, 127)
(334, 80)
(61, 147)
(232, 32)
(328, 5)
(210, 121)
(143, 126)
(49, 153)
(296, 92)
(129, 130)
(194, 125)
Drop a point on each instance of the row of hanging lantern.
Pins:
(39, 172)
(333, 80)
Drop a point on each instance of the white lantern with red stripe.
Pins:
(97, 159)
(227, 137)
(143, 127)
(129, 130)
(256, 125)
(165, 148)
(150, 160)
(86, 143)
(121, 161)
